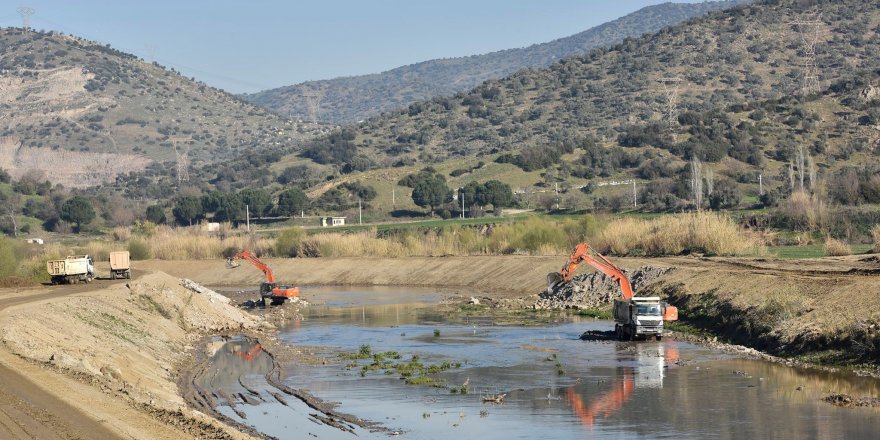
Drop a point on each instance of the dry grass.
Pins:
(836, 248)
(193, 244)
(121, 233)
(875, 233)
(698, 232)
(805, 212)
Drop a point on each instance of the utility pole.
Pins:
(25, 11)
(635, 195)
(247, 210)
(670, 91)
(557, 195)
(313, 102)
(461, 194)
(151, 52)
(393, 202)
(182, 159)
(761, 184)
(360, 217)
(810, 30)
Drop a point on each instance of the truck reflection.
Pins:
(648, 372)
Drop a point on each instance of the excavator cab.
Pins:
(267, 288)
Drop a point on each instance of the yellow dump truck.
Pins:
(71, 270)
(120, 265)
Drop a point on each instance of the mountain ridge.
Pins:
(351, 98)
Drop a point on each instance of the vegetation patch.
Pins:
(413, 372)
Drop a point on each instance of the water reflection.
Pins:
(652, 361)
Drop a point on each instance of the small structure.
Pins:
(34, 240)
(332, 221)
(212, 227)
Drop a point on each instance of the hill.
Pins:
(740, 107)
(350, 99)
(83, 113)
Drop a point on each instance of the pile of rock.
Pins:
(593, 290)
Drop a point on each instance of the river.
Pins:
(555, 385)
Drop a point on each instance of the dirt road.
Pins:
(27, 411)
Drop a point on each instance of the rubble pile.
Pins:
(593, 290)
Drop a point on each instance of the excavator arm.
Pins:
(249, 256)
(583, 253)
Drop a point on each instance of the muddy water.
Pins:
(665, 389)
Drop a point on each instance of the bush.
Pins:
(139, 250)
(294, 243)
(121, 233)
(836, 248)
(144, 228)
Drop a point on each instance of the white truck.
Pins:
(71, 270)
(120, 265)
(639, 317)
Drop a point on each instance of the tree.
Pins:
(187, 209)
(156, 214)
(231, 208)
(258, 200)
(78, 210)
(496, 193)
(431, 192)
(291, 202)
(9, 205)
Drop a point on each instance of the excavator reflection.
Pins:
(651, 361)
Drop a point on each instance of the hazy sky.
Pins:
(249, 46)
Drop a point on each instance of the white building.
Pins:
(332, 221)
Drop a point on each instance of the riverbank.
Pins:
(819, 310)
(124, 341)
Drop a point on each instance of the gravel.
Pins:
(593, 290)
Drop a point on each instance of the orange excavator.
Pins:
(270, 291)
(634, 316)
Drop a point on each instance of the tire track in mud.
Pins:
(207, 401)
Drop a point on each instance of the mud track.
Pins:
(207, 401)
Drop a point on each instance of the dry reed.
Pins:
(875, 233)
(836, 248)
(697, 232)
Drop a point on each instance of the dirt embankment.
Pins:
(121, 342)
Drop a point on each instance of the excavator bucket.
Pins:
(232, 263)
(554, 279)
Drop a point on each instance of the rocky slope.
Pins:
(83, 113)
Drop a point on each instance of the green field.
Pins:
(812, 251)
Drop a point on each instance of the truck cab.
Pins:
(639, 317)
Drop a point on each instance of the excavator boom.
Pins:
(583, 253)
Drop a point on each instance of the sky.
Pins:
(245, 47)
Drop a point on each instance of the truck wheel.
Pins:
(128, 275)
(658, 337)
(112, 275)
(617, 332)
